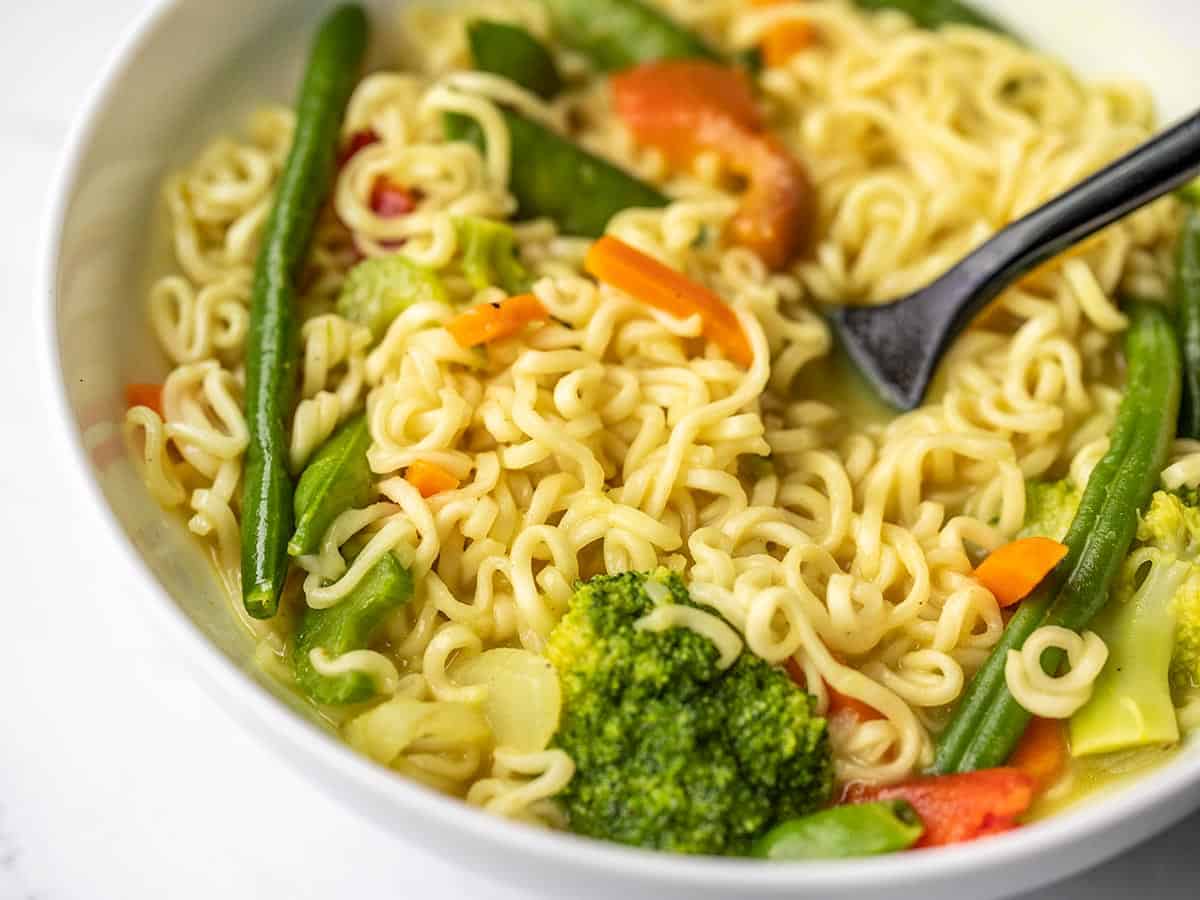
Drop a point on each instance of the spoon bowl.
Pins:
(897, 346)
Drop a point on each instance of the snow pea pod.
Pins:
(348, 626)
(548, 174)
(511, 51)
(988, 722)
(272, 348)
(616, 34)
(336, 479)
(933, 14)
(865, 829)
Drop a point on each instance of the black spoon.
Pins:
(897, 346)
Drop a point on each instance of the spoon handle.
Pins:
(1157, 166)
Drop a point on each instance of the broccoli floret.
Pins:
(671, 752)
(379, 289)
(489, 256)
(1152, 630)
(1049, 508)
(1190, 192)
(1171, 526)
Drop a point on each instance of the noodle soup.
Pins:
(540, 475)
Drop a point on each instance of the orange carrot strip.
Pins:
(430, 478)
(1042, 751)
(1014, 570)
(492, 321)
(785, 40)
(149, 395)
(646, 279)
(686, 107)
(957, 808)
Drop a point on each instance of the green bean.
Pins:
(348, 625)
(864, 829)
(933, 14)
(616, 34)
(988, 721)
(336, 479)
(1187, 290)
(513, 52)
(552, 177)
(271, 345)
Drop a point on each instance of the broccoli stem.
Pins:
(489, 255)
(379, 289)
(1131, 701)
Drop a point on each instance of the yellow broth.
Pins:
(1090, 777)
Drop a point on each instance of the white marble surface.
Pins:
(118, 777)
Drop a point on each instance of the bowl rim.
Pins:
(225, 681)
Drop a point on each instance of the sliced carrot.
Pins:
(1014, 570)
(957, 808)
(646, 279)
(492, 321)
(1042, 751)
(430, 478)
(148, 395)
(686, 107)
(786, 39)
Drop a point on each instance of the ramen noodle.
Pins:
(815, 529)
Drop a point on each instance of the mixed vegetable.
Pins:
(271, 346)
(549, 175)
(680, 743)
(988, 722)
(672, 750)
(616, 34)
(1152, 630)
(688, 107)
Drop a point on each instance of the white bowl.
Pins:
(192, 67)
